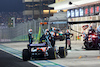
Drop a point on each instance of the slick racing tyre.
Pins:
(51, 53)
(62, 52)
(26, 55)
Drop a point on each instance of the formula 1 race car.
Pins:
(91, 42)
(43, 50)
(59, 35)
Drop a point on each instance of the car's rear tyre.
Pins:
(62, 52)
(51, 53)
(26, 55)
(89, 46)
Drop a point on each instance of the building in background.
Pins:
(34, 9)
(80, 13)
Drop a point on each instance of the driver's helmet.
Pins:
(30, 31)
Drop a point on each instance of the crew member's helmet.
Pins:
(83, 32)
(90, 27)
(67, 31)
(30, 31)
(46, 30)
(53, 28)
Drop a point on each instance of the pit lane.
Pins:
(77, 57)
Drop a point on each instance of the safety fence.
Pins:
(20, 31)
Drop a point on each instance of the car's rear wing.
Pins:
(37, 45)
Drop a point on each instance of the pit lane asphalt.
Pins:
(77, 57)
(8, 60)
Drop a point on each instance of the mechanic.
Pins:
(42, 39)
(51, 38)
(91, 31)
(68, 41)
(85, 38)
(51, 29)
(98, 29)
(98, 34)
(30, 36)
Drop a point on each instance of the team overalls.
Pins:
(68, 41)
